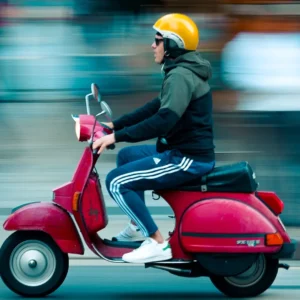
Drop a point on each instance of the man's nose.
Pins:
(153, 46)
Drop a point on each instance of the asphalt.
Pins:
(133, 283)
(93, 278)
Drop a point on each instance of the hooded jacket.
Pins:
(181, 116)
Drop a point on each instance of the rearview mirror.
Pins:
(95, 92)
(106, 109)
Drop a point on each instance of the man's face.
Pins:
(158, 49)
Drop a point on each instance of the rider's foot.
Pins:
(149, 251)
(131, 233)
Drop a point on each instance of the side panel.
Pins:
(223, 225)
(50, 219)
(181, 200)
(92, 206)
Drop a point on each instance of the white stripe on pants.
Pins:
(139, 175)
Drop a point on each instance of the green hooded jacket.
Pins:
(181, 116)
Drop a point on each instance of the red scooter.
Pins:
(224, 228)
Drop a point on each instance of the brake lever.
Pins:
(106, 127)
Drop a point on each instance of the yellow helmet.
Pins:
(180, 29)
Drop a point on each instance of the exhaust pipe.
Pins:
(185, 272)
(284, 266)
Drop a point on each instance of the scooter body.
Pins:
(223, 228)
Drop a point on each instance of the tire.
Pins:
(257, 279)
(32, 265)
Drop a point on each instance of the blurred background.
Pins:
(51, 51)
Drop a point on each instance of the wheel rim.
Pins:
(32, 263)
(251, 276)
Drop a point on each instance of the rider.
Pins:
(181, 120)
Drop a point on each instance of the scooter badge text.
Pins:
(250, 243)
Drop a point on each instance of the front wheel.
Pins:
(32, 265)
(257, 279)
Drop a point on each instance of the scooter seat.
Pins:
(237, 178)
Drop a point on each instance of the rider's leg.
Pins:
(161, 171)
(126, 155)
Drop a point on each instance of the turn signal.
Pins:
(274, 239)
(75, 201)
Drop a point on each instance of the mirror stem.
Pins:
(102, 112)
(87, 102)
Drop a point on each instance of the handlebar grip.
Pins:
(111, 147)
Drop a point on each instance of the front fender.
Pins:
(48, 218)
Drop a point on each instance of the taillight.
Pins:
(272, 201)
(274, 239)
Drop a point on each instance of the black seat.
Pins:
(237, 178)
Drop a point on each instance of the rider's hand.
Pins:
(104, 142)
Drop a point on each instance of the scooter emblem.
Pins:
(250, 243)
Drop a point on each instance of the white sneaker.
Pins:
(131, 233)
(149, 251)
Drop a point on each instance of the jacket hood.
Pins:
(192, 61)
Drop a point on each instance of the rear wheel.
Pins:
(32, 264)
(257, 279)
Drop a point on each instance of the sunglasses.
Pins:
(158, 41)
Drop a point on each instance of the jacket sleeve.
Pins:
(138, 115)
(176, 95)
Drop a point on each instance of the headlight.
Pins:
(84, 126)
(77, 126)
(77, 130)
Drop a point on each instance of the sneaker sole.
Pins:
(154, 259)
(114, 239)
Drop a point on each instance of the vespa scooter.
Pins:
(224, 227)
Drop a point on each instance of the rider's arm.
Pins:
(176, 95)
(138, 115)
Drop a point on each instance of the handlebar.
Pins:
(110, 147)
(106, 130)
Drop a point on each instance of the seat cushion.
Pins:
(236, 178)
